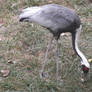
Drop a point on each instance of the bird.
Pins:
(57, 19)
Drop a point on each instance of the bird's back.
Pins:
(55, 16)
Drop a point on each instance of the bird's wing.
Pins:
(54, 16)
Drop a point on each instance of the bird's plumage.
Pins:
(29, 12)
(52, 16)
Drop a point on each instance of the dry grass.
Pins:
(22, 48)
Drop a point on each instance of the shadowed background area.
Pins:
(22, 48)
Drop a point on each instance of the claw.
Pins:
(44, 74)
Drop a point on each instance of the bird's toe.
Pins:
(44, 74)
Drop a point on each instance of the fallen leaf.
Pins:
(11, 62)
(89, 60)
(1, 24)
(5, 73)
(65, 34)
(1, 78)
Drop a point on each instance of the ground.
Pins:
(23, 45)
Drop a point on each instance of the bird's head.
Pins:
(85, 70)
(85, 66)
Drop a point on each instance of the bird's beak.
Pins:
(85, 77)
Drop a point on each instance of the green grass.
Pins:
(24, 44)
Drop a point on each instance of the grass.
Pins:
(24, 45)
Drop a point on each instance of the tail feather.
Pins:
(30, 9)
(28, 12)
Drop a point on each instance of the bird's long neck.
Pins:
(75, 38)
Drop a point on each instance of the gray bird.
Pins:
(58, 19)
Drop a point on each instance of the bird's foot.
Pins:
(44, 74)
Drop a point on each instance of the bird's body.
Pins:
(55, 17)
(58, 19)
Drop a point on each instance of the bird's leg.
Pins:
(57, 59)
(45, 59)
